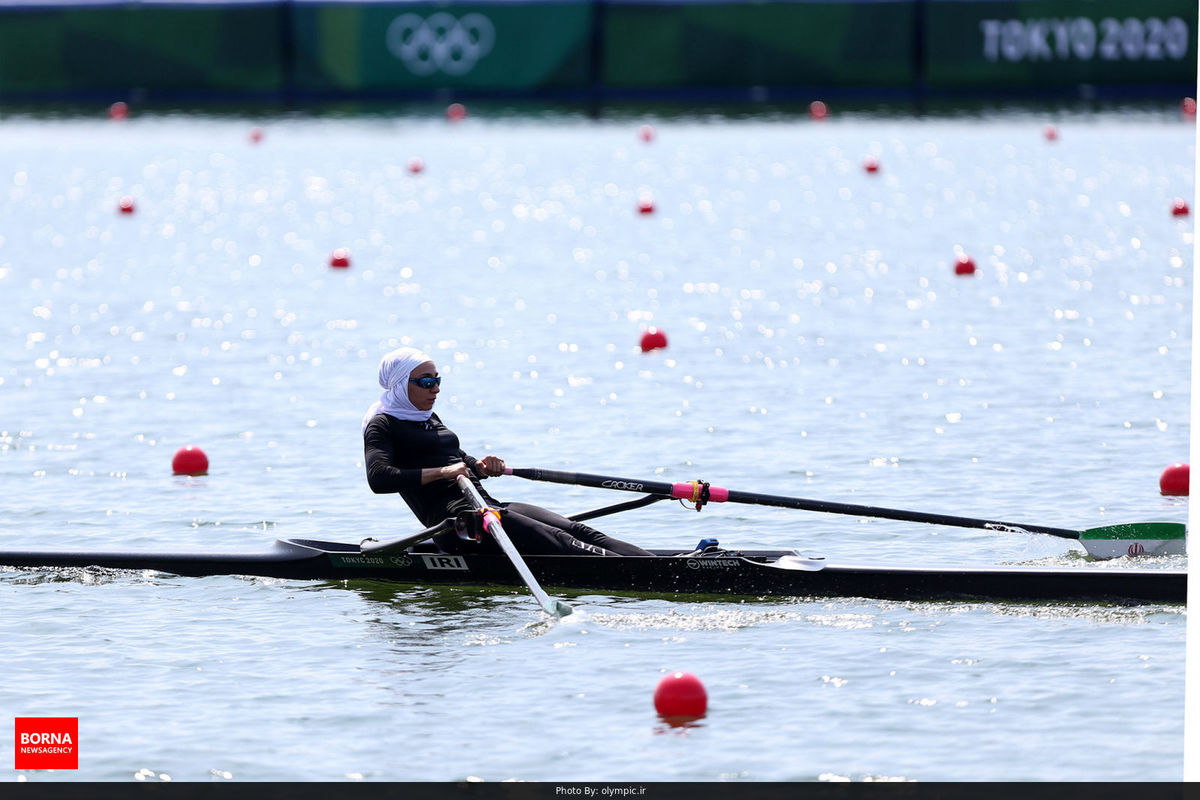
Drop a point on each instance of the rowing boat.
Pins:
(747, 573)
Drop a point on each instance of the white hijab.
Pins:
(394, 371)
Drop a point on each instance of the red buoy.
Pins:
(189, 460)
(1175, 480)
(871, 164)
(818, 110)
(646, 133)
(1051, 133)
(118, 110)
(1180, 208)
(964, 265)
(126, 205)
(256, 135)
(416, 166)
(653, 339)
(1188, 108)
(340, 258)
(646, 205)
(456, 112)
(680, 694)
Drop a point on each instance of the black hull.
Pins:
(752, 575)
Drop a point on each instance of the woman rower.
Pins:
(410, 451)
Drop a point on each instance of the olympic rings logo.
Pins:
(442, 42)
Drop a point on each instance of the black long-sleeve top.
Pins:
(396, 452)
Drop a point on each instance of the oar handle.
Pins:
(692, 491)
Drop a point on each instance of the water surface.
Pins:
(820, 346)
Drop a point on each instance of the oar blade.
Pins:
(557, 608)
(1135, 539)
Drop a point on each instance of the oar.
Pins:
(1149, 538)
(491, 524)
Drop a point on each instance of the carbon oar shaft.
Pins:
(691, 492)
(491, 523)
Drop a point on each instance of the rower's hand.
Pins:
(491, 465)
(450, 472)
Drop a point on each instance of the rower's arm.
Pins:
(382, 475)
(447, 473)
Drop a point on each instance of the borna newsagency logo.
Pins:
(46, 743)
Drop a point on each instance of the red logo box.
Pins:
(46, 743)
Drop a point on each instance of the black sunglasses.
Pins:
(426, 381)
